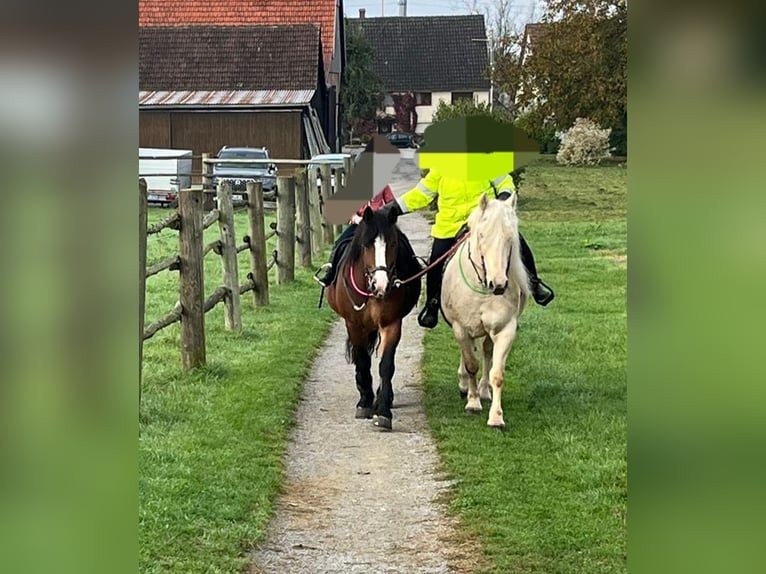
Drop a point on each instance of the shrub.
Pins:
(463, 109)
(545, 135)
(584, 143)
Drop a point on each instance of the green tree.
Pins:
(463, 109)
(577, 67)
(362, 92)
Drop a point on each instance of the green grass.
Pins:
(549, 495)
(212, 440)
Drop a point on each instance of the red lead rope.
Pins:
(452, 250)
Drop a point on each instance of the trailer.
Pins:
(166, 171)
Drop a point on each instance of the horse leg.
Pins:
(502, 346)
(389, 339)
(469, 366)
(487, 348)
(362, 363)
(462, 378)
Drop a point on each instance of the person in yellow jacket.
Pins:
(461, 170)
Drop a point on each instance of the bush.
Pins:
(544, 135)
(463, 109)
(584, 143)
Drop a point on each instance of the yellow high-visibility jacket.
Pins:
(457, 198)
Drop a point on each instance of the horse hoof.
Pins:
(363, 413)
(383, 423)
(463, 395)
(498, 427)
(473, 411)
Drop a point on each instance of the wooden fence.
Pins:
(300, 222)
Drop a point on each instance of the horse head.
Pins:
(375, 244)
(494, 237)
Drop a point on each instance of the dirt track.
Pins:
(356, 499)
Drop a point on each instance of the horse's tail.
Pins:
(373, 341)
(349, 351)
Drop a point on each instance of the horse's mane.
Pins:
(517, 273)
(367, 231)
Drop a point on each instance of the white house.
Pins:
(429, 59)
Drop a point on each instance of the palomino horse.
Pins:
(484, 291)
(370, 297)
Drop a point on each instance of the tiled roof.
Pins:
(243, 12)
(228, 58)
(532, 34)
(428, 54)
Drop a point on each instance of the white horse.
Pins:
(484, 291)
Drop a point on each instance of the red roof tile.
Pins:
(243, 12)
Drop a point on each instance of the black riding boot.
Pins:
(429, 316)
(541, 292)
(331, 267)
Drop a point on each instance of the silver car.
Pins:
(334, 159)
(238, 174)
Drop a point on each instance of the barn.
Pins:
(203, 87)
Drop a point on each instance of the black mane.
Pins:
(367, 231)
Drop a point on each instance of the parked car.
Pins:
(401, 140)
(238, 174)
(336, 161)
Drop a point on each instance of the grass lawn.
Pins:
(549, 495)
(211, 441)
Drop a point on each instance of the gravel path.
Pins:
(355, 499)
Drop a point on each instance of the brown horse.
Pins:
(369, 295)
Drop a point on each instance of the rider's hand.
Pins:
(356, 219)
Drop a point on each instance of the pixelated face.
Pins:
(475, 148)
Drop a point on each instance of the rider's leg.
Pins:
(331, 267)
(540, 291)
(429, 316)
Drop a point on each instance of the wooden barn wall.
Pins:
(154, 129)
(207, 132)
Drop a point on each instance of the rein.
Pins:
(399, 282)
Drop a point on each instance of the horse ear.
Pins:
(484, 202)
(514, 199)
(393, 215)
(367, 216)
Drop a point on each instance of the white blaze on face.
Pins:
(381, 277)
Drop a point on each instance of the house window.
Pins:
(458, 96)
(388, 101)
(422, 98)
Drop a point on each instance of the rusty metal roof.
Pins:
(204, 98)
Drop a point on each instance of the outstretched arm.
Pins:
(421, 195)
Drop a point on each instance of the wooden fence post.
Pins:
(325, 170)
(315, 215)
(207, 184)
(192, 279)
(348, 167)
(233, 317)
(340, 184)
(255, 214)
(285, 229)
(303, 218)
(142, 224)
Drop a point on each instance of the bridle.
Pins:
(369, 273)
(482, 275)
